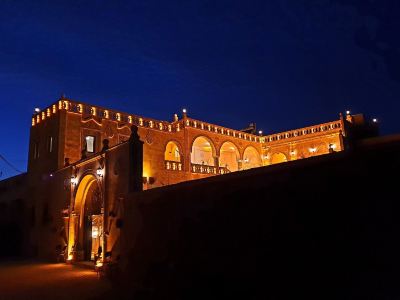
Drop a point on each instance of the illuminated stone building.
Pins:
(85, 160)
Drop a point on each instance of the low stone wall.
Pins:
(325, 228)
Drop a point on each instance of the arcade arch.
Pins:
(251, 158)
(229, 156)
(278, 157)
(202, 152)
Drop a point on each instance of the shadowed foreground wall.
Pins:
(326, 228)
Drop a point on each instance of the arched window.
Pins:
(203, 152)
(172, 152)
(251, 158)
(229, 156)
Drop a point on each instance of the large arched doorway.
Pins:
(251, 158)
(86, 221)
(203, 152)
(278, 157)
(229, 156)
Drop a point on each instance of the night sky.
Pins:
(283, 64)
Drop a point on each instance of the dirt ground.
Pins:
(38, 280)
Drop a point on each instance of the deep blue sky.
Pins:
(281, 63)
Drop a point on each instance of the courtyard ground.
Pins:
(39, 280)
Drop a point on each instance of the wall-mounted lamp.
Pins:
(375, 120)
(100, 172)
(260, 132)
(347, 112)
(74, 180)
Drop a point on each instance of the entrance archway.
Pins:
(229, 156)
(203, 152)
(251, 158)
(85, 240)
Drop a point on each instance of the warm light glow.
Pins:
(106, 114)
(100, 172)
(293, 152)
(48, 112)
(93, 111)
(313, 150)
(70, 257)
(95, 233)
(118, 115)
(54, 108)
(79, 108)
(130, 119)
(99, 264)
(332, 146)
(33, 121)
(74, 180)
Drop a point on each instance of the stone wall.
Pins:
(322, 228)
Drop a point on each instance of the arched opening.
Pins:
(251, 158)
(85, 240)
(203, 152)
(172, 152)
(278, 157)
(229, 156)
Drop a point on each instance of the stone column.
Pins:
(135, 161)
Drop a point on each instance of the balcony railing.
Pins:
(173, 165)
(204, 169)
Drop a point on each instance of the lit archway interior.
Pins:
(85, 241)
(278, 157)
(203, 152)
(251, 158)
(229, 156)
(172, 152)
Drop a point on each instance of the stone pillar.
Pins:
(216, 161)
(135, 161)
(72, 234)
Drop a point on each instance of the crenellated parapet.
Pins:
(207, 127)
(97, 112)
(100, 113)
(305, 132)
